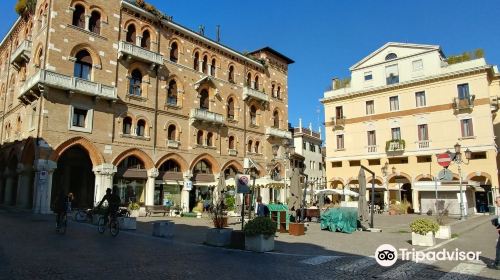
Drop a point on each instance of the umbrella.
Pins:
(336, 191)
(362, 204)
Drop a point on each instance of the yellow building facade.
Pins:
(403, 105)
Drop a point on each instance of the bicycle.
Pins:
(114, 226)
(83, 215)
(63, 224)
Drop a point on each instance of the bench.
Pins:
(150, 209)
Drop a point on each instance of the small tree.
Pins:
(25, 8)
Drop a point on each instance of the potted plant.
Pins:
(444, 231)
(220, 235)
(259, 234)
(133, 209)
(422, 232)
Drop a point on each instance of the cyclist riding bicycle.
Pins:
(62, 206)
(113, 204)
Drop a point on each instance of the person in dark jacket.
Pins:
(262, 209)
(61, 206)
(113, 204)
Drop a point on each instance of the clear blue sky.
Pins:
(329, 36)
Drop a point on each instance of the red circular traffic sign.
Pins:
(444, 159)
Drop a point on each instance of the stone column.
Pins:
(185, 191)
(200, 64)
(386, 198)
(149, 198)
(44, 170)
(264, 193)
(9, 181)
(24, 185)
(103, 179)
(138, 40)
(87, 22)
(415, 202)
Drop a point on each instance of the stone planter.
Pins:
(259, 243)
(134, 213)
(163, 229)
(127, 223)
(219, 237)
(423, 240)
(95, 218)
(142, 212)
(444, 232)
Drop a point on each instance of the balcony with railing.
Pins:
(397, 145)
(338, 122)
(372, 148)
(232, 152)
(423, 144)
(173, 144)
(21, 54)
(277, 133)
(71, 84)
(130, 51)
(466, 103)
(201, 115)
(250, 93)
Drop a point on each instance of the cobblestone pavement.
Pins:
(30, 249)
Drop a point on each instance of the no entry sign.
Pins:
(444, 159)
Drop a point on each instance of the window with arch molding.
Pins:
(39, 58)
(231, 74)
(204, 101)
(199, 138)
(172, 93)
(146, 40)
(231, 142)
(249, 80)
(212, 67)
(256, 83)
(174, 52)
(276, 119)
(127, 126)
(131, 34)
(172, 132)
(95, 22)
(170, 166)
(196, 62)
(135, 83)
(210, 139)
(249, 147)
(204, 65)
(230, 109)
(202, 167)
(273, 93)
(391, 56)
(253, 115)
(79, 16)
(83, 65)
(256, 147)
(141, 128)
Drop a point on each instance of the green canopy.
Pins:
(343, 219)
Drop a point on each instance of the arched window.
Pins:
(212, 67)
(172, 132)
(253, 115)
(170, 166)
(146, 40)
(174, 52)
(10, 94)
(18, 125)
(83, 65)
(131, 162)
(79, 16)
(230, 172)
(278, 92)
(249, 80)
(231, 142)
(39, 58)
(273, 93)
(249, 147)
(199, 137)
(256, 85)
(204, 102)
(196, 63)
(256, 147)
(131, 34)
(230, 109)
(204, 66)
(135, 83)
(210, 142)
(95, 22)
(127, 125)
(391, 56)
(141, 128)
(172, 93)
(202, 167)
(231, 74)
(276, 119)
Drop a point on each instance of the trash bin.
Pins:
(492, 209)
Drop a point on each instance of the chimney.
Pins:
(202, 30)
(300, 124)
(310, 128)
(218, 33)
(320, 133)
(334, 81)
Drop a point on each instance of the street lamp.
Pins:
(457, 159)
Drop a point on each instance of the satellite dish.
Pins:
(445, 175)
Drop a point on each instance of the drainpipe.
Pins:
(113, 123)
(155, 128)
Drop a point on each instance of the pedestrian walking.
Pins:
(262, 209)
(496, 224)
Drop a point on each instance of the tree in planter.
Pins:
(25, 8)
(424, 226)
(260, 225)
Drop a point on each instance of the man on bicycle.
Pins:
(113, 204)
(61, 207)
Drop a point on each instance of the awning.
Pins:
(369, 187)
(336, 191)
(445, 186)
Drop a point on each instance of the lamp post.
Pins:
(457, 159)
